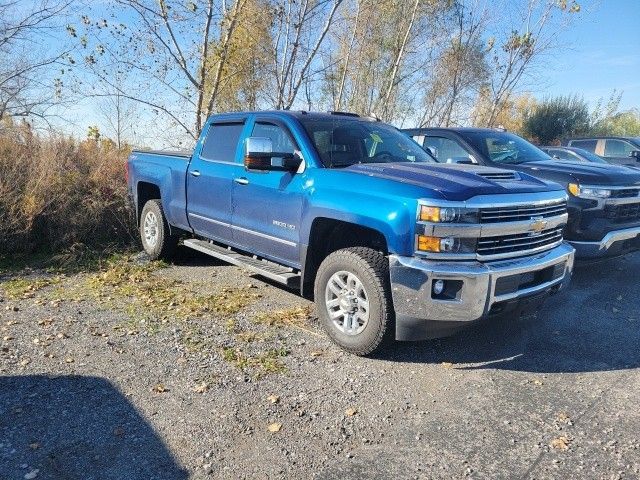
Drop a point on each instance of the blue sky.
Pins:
(603, 54)
(600, 53)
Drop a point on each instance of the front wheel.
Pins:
(155, 233)
(353, 299)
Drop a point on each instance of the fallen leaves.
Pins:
(350, 412)
(201, 387)
(274, 427)
(273, 398)
(561, 443)
(159, 388)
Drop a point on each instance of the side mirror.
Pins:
(461, 160)
(635, 154)
(259, 155)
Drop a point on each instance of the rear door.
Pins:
(619, 151)
(216, 162)
(267, 205)
(588, 145)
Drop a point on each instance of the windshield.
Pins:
(592, 157)
(505, 147)
(342, 142)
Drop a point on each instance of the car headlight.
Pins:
(430, 244)
(588, 192)
(427, 213)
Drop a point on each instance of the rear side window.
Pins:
(221, 143)
(617, 148)
(589, 145)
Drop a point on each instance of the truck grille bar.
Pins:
(624, 213)
(522, 242)
(523, 212)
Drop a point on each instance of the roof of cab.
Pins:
(296, 114)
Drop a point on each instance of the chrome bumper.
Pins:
(419, 315)
(612, 244)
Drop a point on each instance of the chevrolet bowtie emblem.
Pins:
(538, 224)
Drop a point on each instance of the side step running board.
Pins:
(270, 270)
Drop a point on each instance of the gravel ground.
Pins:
(102, 379)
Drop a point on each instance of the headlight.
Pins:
(446, 244)
(438, 214)
(588, 192)
(446, 214)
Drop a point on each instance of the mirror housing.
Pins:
(635, 154)
(259, 155)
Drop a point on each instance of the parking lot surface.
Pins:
(199, 370)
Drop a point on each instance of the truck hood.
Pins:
(454, 182)
(588, 174)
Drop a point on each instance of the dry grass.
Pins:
(56, 192)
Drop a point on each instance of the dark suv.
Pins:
(618, 150)
(603, 199)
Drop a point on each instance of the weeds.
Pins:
(261, 364)
(56, 191)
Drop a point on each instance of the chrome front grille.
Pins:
(520, 242)
(521, 212)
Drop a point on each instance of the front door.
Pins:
(267, 205)
(619, 152)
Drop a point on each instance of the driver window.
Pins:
(282, 142)
(446, 150)
(617, 148)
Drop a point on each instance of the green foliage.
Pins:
(621, 123)
(557, 117)
(606, 119)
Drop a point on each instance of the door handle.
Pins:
(195, 173)
(241, 181)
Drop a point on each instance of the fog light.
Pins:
(438, 287)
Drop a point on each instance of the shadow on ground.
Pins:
(74, 427)
(592, 326)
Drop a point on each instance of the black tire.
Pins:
(165, 243)
(372, 269)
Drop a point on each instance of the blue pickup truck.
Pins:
(357, 216)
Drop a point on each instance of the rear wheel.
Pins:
(155, 233)
(353, 299)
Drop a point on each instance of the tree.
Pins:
(300, 30)
(556, 118)
(606, 119)
(459, 71)
(380, 55)
(515, 47)
(27, 88)
(175, 52)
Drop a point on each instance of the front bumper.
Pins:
(479, 289)
(613, 243)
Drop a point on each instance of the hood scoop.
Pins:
(499, 176)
